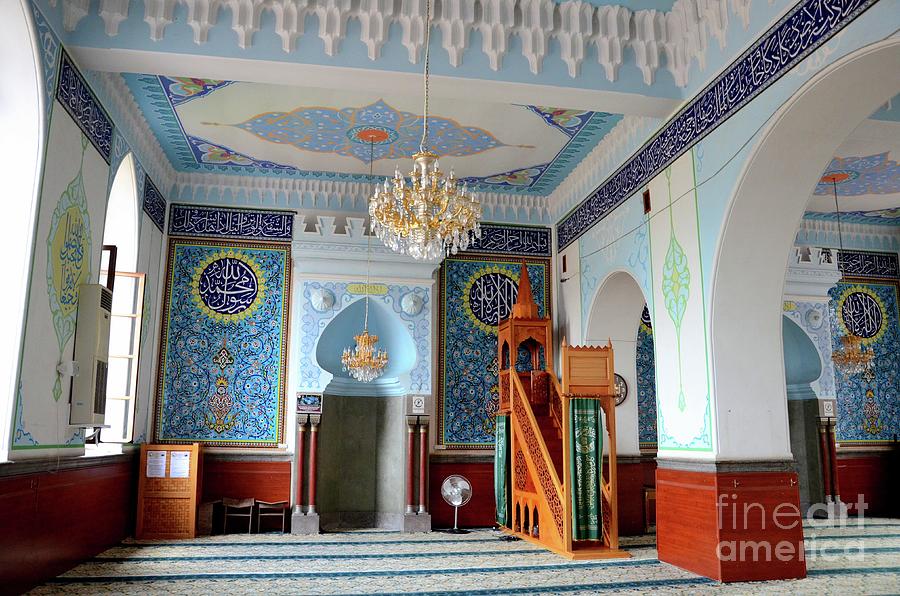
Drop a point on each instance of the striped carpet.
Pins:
(841, 560)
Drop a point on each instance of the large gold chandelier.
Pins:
(851, 358)
(365, 362)
(429, 215)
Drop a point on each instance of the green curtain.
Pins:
(586, 448)
(501, 469)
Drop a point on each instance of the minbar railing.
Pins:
(541, 504)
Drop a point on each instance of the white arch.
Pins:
(22, 121)
(121, 226)
(615, 313)
(769, 201)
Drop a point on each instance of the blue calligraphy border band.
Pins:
(858, 263)
(154, 204)
(512, 240)
(241, 224)
(800, 32)
(76, 97)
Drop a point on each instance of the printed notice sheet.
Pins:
(181, 464)
(156, 464)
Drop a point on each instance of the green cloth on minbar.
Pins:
(586, 448)
(501, 469)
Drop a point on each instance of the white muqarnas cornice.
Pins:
(657, 39)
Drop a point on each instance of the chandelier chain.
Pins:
(424, 142)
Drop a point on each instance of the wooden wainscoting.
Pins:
(52, 519)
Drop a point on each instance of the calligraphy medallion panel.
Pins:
(476, 292)
(223, 362)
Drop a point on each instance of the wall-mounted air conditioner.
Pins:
(88, 397)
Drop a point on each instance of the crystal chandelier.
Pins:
(428, 215)
(851, 358)
(365, 362)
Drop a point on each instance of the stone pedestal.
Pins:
(302, 523)
(413, 523)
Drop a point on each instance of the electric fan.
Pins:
(456, 490)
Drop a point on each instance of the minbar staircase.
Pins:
(537, 443)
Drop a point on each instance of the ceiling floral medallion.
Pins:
(861, 175)
(228, 285)
(346, 132)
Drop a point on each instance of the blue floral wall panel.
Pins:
(868, 403)
(224, 338)
(477, 292)
(646, 383)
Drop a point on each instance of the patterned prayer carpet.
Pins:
(845, 560)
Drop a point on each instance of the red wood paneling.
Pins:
(479, 512)
(736, 526)
(869, 476)
(686, 524)
(49, 522)
(630, 492)
(263, 480)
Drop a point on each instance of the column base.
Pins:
(413, 523)
(304, 524)
(735, 521)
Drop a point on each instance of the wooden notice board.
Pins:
(168, 491)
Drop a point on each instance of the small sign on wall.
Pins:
(827, 408)
(309, 403)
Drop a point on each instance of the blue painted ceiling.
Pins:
(254, 129)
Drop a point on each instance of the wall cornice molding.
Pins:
(331, 195)
(134, 128)
(672, 40)
(609, 153)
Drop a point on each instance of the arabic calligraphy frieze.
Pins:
(801, 31)
(154, 204)
(245, 224)
(474, 292)
(869, 264)
(223, 352)
(512, 240)
(76, 96)
(228, 285)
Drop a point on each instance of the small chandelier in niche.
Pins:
(428, 216)
(365, 362)
(851, 358)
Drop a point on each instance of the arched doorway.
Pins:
(748, 277)
(21, 117)
(616, 315)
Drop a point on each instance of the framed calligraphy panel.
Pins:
(222, 366)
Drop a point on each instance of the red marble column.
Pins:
(301, 431)
(826, 457)
(423, 465)
(832, 446)
(313, 442)
(410, 467)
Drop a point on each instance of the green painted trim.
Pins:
(712, 435)
(34, 447)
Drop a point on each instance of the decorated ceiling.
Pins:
(865, 174)
(257, 129)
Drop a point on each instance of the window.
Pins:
(124, 344)
(121, 231)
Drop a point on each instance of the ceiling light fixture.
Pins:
(365, 362)
(852, 358)
(429, 215)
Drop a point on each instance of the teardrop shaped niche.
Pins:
(392, 336)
